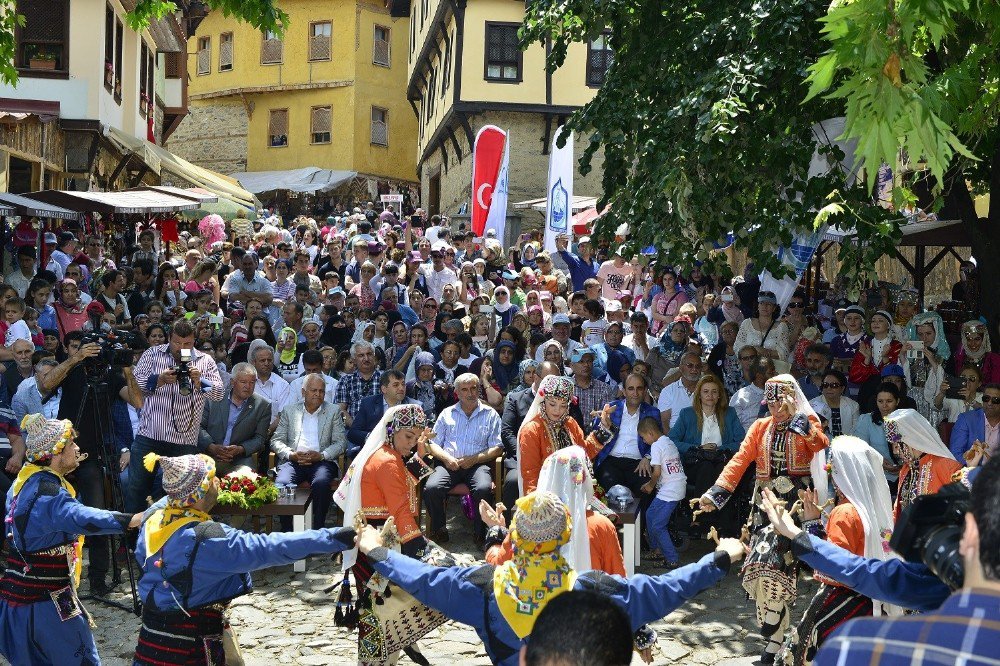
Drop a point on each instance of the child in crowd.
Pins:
(37, 336)
(669, 483)
(146, 249)
(13, 313)
(594, 326)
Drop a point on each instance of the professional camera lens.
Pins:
(941, 555)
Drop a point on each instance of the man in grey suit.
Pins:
(308, 440)
(235, 428)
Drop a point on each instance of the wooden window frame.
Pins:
(143, 77)
(207, 41)
(109, 49)
(25, 70)
(589, 70)
(232, 54)
(446, 68)
(385, 121)
(388, 46)
(312, 36)
(263, 40)
(312, 133)
(119, 55)
(270, 143)
(486, 54)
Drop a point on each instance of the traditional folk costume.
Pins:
(193, 567)
(41, 619)
(985, 359)
(884, 352)
(923, 377)
(567, 474)
(783, 452)
(501, 603)
(931, 465)
(379, 484)
(538, 436)
(860, 523)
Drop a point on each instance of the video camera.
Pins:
(116, 346)
(929, 530)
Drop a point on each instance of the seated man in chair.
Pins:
(392, 392)
(235, 428)
(309, 439)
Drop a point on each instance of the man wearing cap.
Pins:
(591, 394)
(501, 603)
(192, 567)
(616, 275)
(581, 265)
(438, 275)
(66, 251)
(41, 618)
(560, 333)
(50, 240)
(21, 276)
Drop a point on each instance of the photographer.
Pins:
(172, 377)
(965, 628)
(80, 377)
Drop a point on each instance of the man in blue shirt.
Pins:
(466, 445)
(581, 266)
(965, 629)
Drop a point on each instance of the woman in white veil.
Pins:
(861, 523)
(928, 465)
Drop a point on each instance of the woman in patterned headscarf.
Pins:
(782, 445)
(976, 351)
(928, 465)
(924, 372)
(548, 427)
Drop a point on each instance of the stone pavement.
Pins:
(288, 619)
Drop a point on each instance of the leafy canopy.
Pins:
(704, 130)
(262, 14)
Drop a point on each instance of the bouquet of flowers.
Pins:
(246, 490)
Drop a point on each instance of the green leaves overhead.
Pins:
(702, 124)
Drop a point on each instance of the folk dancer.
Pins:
(502, 602)
(192, 566)
(782, 445)
(41, 619)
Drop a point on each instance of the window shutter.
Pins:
(279, 122)
(380, 130)
(320, 47)
(205, 58)
(271, 51)
(172, 65)
(321, 120)
(380, 49)
(226, 53)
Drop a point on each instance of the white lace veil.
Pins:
(916, 432)
(566, 474)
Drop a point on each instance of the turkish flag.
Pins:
(487, 156)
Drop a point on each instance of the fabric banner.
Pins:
(497, 218)
(487, 155)
(559, 195)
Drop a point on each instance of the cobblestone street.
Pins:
(288, 619)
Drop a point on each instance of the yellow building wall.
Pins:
(350, 83)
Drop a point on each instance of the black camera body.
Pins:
(116, 350)
(929, 531)
(184, 383)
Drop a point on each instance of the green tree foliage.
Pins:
(705, 127)
(262, 14)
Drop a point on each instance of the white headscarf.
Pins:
(566, 474)
(348, 495)
(802, 405)
(916, 432)
(856, 469)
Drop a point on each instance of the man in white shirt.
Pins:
(21, 276)
(312, 364)
(269, 384)
(438, 275)
(746, 401)
(639, 341)
(680, 394)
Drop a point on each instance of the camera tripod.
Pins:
(97, 388)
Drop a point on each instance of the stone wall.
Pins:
(529, 166)
(213, 135)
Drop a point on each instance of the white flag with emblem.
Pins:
(559, 203)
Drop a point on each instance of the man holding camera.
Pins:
(171, 377)
(966, 628)
(81, 377)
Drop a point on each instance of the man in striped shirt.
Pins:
(466, 444)
(965, 629)
(170, 422)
